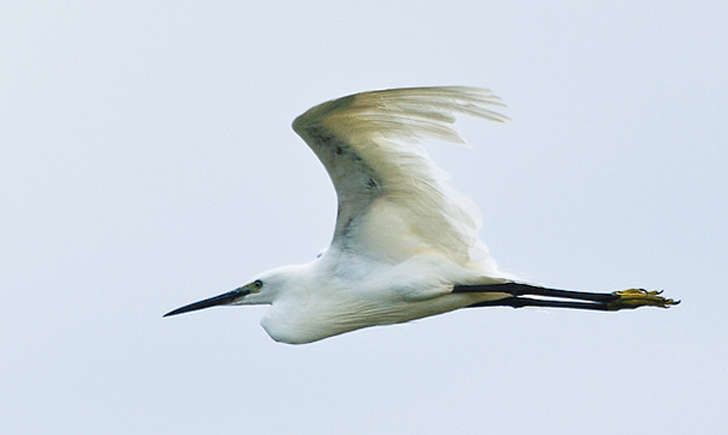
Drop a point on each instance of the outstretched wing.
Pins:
(393, 202)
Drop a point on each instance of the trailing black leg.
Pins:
(519, 302)
(518, 289)
(631, 298)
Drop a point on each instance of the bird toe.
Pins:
(639, 297)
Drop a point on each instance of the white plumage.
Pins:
(405, 244)
(393, 201)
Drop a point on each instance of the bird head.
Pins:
(263, 290)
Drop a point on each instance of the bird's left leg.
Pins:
(614, 301)
(520, 302)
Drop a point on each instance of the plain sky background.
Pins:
(147, 161)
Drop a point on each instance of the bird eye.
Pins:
(258, 283)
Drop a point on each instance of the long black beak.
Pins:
(223, 299)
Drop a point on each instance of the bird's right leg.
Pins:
(619, 300)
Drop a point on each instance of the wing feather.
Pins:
(393, 202)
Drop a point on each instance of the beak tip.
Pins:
(172, 313)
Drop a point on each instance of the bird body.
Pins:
(340, 292)
(405, 245)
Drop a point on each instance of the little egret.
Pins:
(405, 245)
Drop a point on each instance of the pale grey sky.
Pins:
(147, 161)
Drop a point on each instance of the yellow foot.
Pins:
(638, 297)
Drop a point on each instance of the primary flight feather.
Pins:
(405, 244)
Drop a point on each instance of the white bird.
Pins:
(406, 245)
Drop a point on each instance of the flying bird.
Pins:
(406, 245)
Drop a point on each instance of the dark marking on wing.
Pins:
(321, 135)
(356, 182)
(347, 225)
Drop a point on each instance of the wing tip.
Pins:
(472, 101)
